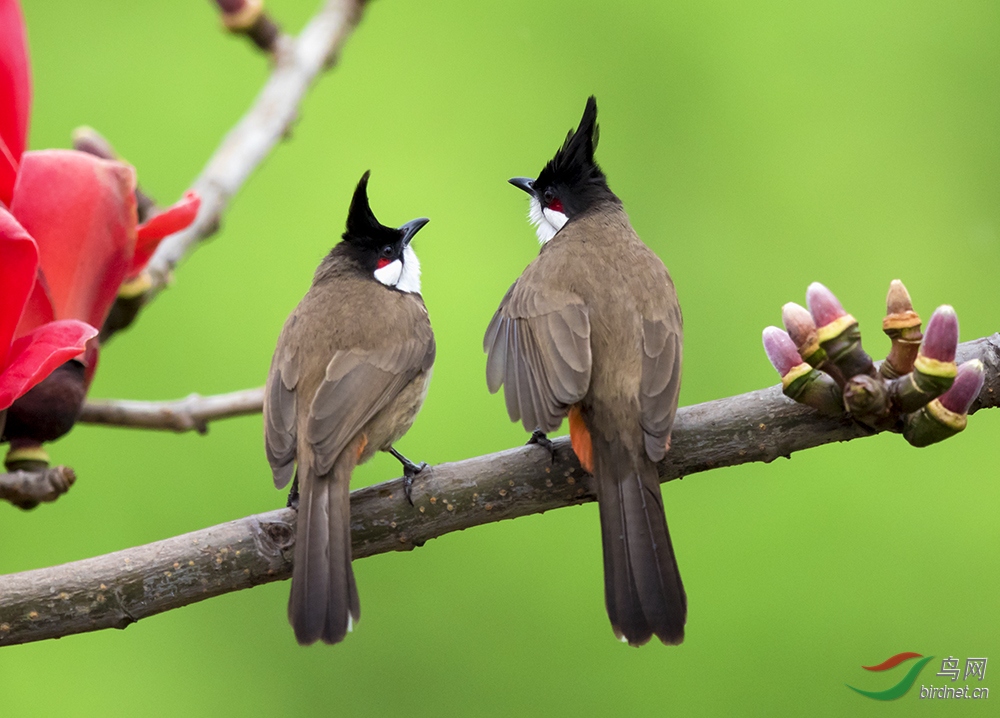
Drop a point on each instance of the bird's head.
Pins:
(571, 183)
(383, 251)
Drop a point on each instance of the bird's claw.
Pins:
(410, 471)
(293, 494)
(539, 438)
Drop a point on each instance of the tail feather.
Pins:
(642, 585)
(323, 604)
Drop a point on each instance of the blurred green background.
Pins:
(757, 147)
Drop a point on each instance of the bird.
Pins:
(592, 330)
(348, 377)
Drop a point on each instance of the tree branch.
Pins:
(117, 589)
(27, 489)
(189, 414)
(298, 62)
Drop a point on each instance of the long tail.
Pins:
(642, 586)
(324, 600)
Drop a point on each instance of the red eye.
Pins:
(556, 206)
(383, 262)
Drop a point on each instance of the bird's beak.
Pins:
(525, 183)
(411, 228)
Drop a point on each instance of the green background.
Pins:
(757, 147)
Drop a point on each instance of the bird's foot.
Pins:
(538, 437)
(293, 494)
(410, 471)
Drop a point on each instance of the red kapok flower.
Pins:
(33, 356)
(70, 239)
(81, 210)
(15, 95)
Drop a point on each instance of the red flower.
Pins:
(69, 236)
(81, 210)
(15, 94)
(33, 356)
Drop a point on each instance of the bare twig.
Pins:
(27, 489)
(117, 589)
(298, 62)
(189, 414)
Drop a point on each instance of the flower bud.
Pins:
(934, 368)
(781, 351)
(902, 325)
(248, 17)
(799, 381)
(897, 302)
(823, 305)
(802, 329)
(941, 338)
(838, 333)
(966, 387)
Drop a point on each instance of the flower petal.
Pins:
(38, 310)
(171, 220)
(34, 356)
(81, 211)
(15, 94)
(18, 263)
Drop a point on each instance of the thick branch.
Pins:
(189, 414)
(117, 589)
(297, 64)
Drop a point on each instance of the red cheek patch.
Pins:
(383, 262)
(557, 206)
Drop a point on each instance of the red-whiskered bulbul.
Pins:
(347, 379)
(592, 329)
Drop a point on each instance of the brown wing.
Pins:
(538, 345)
(280, 434)
(357, 384)
(661, 380)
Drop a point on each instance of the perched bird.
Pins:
(592, 329)
(348, 377)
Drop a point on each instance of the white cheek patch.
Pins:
(389, 274)
(556, 219)
(547, 222)
(409, 280)
(404, 274)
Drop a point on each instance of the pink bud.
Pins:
(780, 350)
(231, 7)
(941, 337)
(966, 388)
(823, 305)
(799, 324)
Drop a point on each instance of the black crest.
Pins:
(574, 165)
(362, 227)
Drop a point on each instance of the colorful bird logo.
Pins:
(904, 685)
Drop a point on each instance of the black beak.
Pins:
(411, 228)
(525, 183)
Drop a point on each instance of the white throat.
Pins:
(402, 274)
(547, 221)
